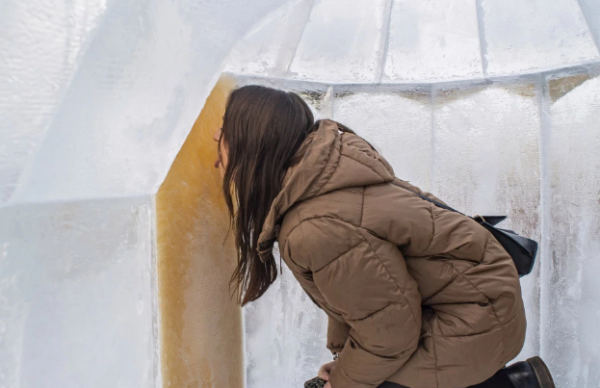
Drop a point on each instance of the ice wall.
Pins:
(96, 100)
(571, 190)
(42, 45)
(78, 294)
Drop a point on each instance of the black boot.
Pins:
(532, 373)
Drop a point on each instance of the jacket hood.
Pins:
(331, 160)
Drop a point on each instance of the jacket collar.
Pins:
(331, 161)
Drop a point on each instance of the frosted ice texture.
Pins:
(342, 42)
(397, 123)
(96, 99)
(78, 295)
(431, 40)
(591, 10)
(531, 35)
(285, 336)
(571, 308)
(128, 108)
(405, 41)
(270, 48)
(41, 45)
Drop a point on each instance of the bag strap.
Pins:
(433, 201)
(492, 220)
(440, 204)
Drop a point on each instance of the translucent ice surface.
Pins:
(571, 305)
(78, 295)
(523, 36)
(406, 41)
(140, 83)
(285, 336)
(41, 45)
(270, 49)
(342, 42)
(431, 40)
(397, 123)
(591, 9)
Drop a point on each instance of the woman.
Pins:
(416, 296)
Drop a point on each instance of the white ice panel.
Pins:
(433, 41)
(591, 10)
(397, 123)
(342, 42)
(268, 50)
(486, 161)
(285, 335)
(570, 335)
(78, 296)
(40, 48)
(136, 94)
(523, 36)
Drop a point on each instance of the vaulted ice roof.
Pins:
(410, 41)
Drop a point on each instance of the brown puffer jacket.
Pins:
(415, 294)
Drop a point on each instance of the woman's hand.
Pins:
(325, 371)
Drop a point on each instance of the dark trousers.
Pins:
(499, 380)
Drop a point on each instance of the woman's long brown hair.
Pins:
(262, 129)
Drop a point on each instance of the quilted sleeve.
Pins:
(337, 334)
(366, 282)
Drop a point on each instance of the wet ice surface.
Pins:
(38, 59)
(285, 336)
(342, 42)
(77, 294)
(397, 123)
(405, 41)
(420, 47)
(526, 36)
(571, 307)
(591, 10)
(106, 121)
(276, 42)
(96, 99)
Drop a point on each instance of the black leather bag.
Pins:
(523, 250)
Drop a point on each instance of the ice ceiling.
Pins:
(407, 41)
(492, 104)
